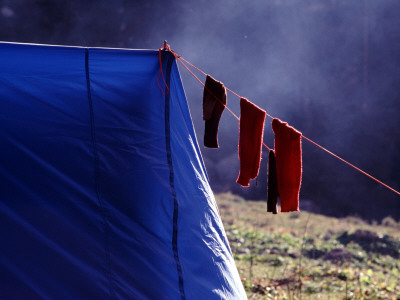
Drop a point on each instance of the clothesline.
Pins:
(180, 60)
(166, 47)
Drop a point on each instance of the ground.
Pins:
(302, 255)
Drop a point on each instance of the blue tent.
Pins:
(103, 191)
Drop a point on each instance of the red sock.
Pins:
(212, 110)
(251, 127)
(288, 164)
(272, 184)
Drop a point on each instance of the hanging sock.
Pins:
(272, 184)
(251, 126)
(212, 110)
(288, 164)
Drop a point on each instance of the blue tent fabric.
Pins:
(103, 191)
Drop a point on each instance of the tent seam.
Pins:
(105, 224)
(171, 179)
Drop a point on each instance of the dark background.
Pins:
(330, 68)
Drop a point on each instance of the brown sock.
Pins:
(214, 101)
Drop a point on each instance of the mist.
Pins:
(328, 68)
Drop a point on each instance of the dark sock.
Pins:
(212, 110)
(272, 184)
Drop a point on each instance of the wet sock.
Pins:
(288, 164)
(251, 127)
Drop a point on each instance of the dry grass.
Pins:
(303, 255)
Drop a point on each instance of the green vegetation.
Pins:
(310, 256)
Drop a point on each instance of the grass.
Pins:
(310, 256)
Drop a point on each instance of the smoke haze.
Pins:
(329, 68)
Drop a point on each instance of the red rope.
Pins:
(219, 100)
(181, 59)
(165, 47)
(201, 71)
(351, 165)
